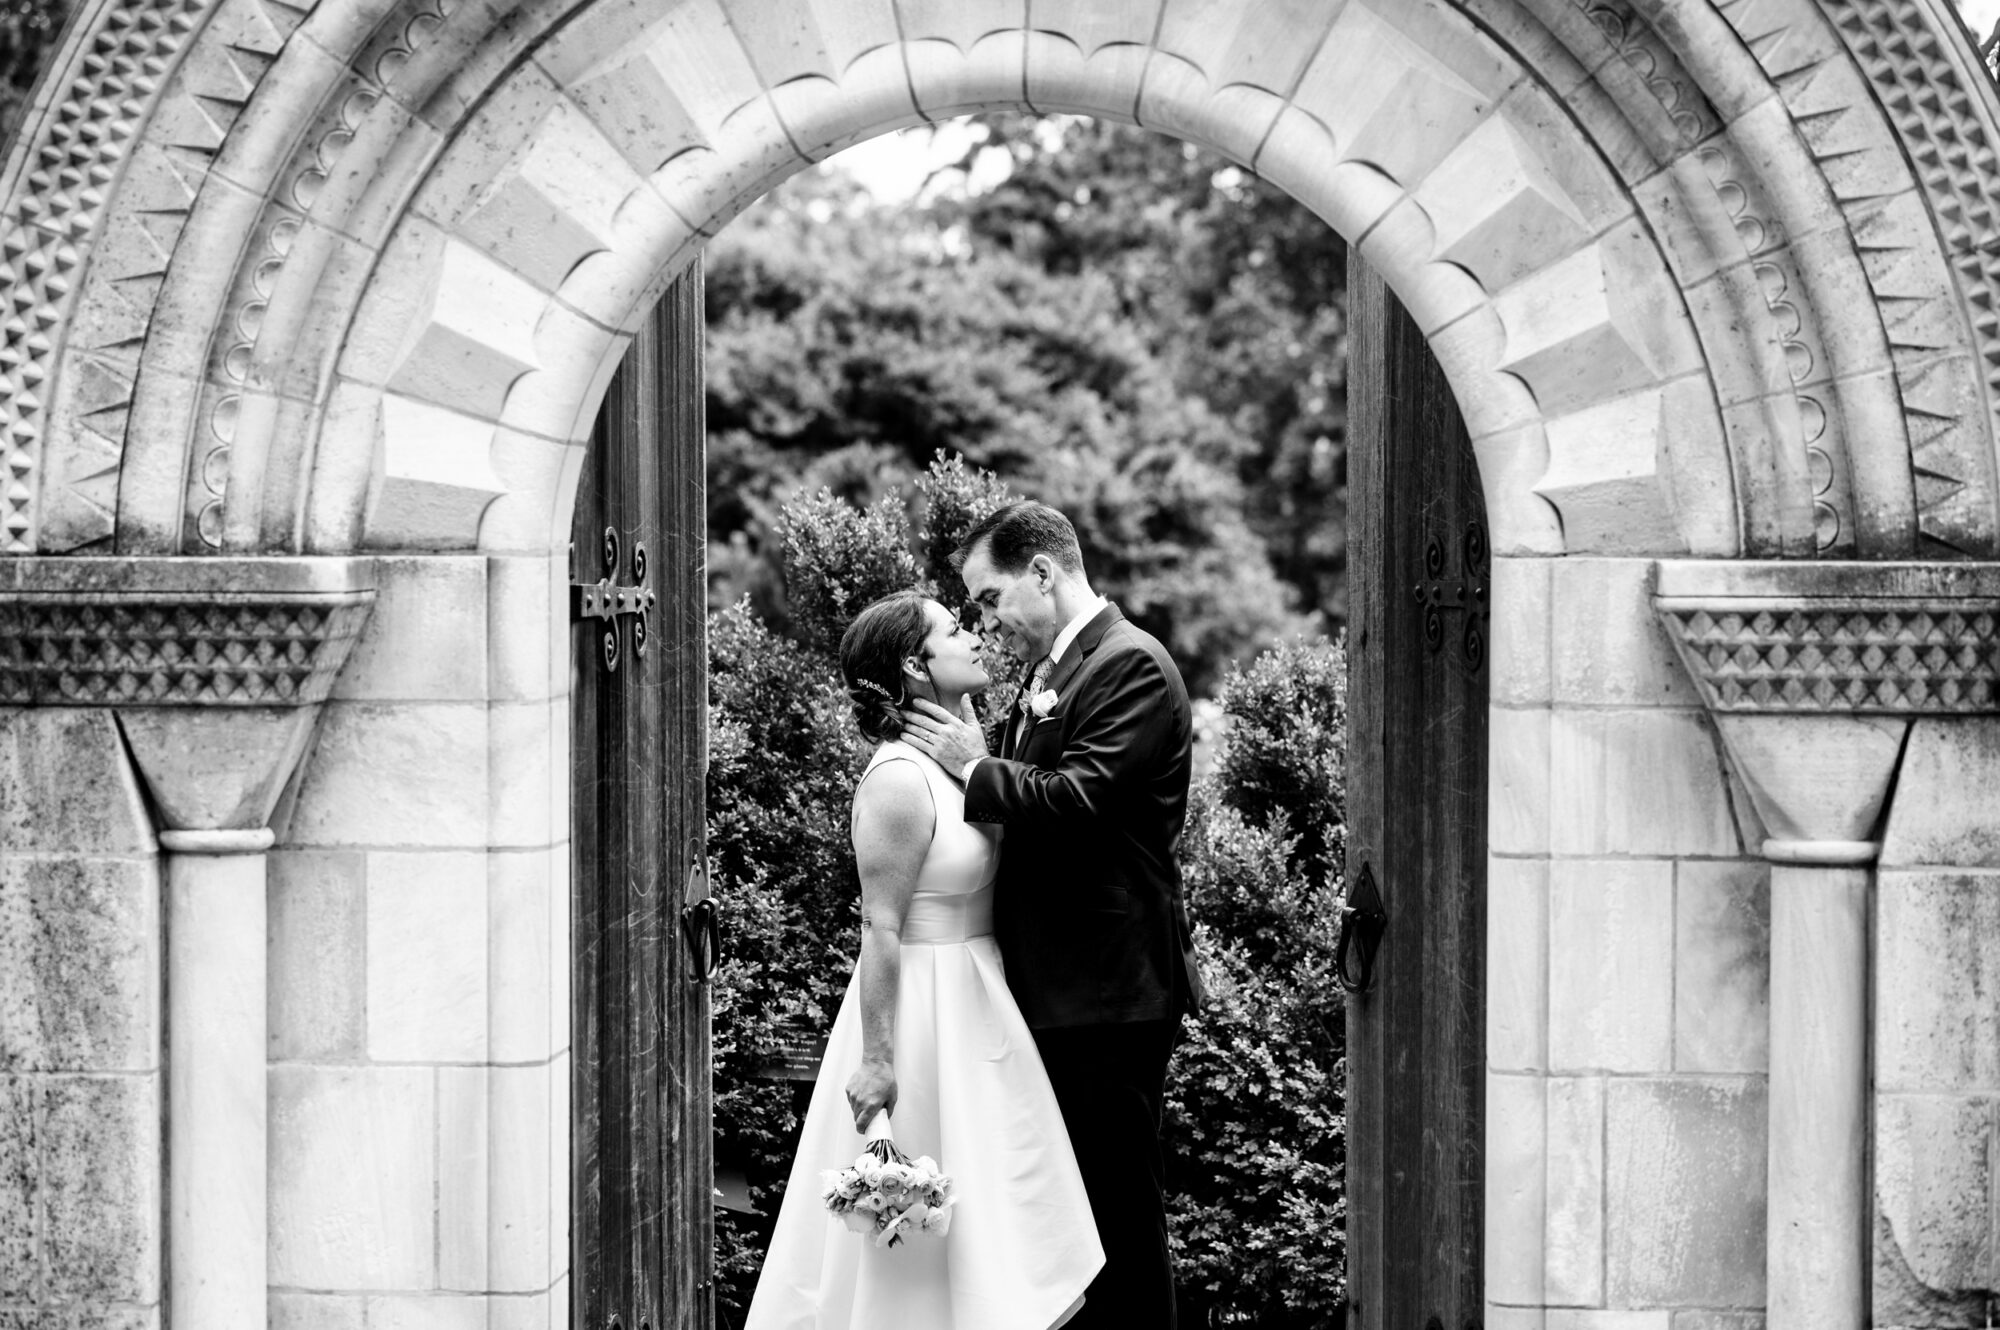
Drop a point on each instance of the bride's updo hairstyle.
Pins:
(872, 652)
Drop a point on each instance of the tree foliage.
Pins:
(1255, 1133)
(1100, 358)
(28, 33)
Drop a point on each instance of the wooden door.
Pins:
(1417, 637)
(641, 1165)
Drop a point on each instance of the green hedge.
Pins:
(1255, 1119)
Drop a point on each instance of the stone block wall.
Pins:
(419, 943)
(1937, 1033)
(81, 1075)
(1628, 932)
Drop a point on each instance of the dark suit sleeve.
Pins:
(1123, 726)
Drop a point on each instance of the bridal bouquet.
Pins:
(888, 1194)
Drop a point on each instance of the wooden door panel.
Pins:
(1417, 803)
(642, 1168)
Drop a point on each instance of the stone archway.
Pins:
(353, 279)
(1707, 279)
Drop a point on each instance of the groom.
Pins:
(1091, 783)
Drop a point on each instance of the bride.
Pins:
(929, 1033)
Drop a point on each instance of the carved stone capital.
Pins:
(1895, 639)
(215, 667)
(91, 632)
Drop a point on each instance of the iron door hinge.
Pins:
(605, 599)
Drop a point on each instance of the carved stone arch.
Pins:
(1706, 278)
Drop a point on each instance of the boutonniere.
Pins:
(1043, 703)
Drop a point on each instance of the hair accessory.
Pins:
(874, 687)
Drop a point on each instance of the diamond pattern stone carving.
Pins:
(164, 651)
(1933, 106)
(44, 239)
(1902, 657)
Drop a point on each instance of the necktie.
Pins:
(1035, 682)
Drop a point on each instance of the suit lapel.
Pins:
(1072, 660)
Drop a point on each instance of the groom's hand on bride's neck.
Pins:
(952, 741)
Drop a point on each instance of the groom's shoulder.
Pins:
(1126, 636)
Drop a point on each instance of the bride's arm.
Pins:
(893, 823)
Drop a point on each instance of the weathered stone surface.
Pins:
(86, 1317)
(118, 1318)
(1901, 1301)
(176, 750)
(1722, 966)
(353, 1177)
(65, 784)
(1637, 782)
(529, 1311)
(1603, 473)
(316, 916)
(524, 763)
(1520, 659)
(1718, 1320)
(435, 1311)
(1568, 1318)
(1500, 1317)
(1931, 822)
(1937, 982)
(427, 955)
(1604, 322)
(527, 651)
(316, 1311)
(437, 476)
(1684, 1192)
(1815, 777)
(1519, 521)
(426, 639)
(79, 964)
(528, 1232)
(100, 1187)
(526, 894)
(1517, 964)
(1935, 1183)
(1516, 1187)
(1517, 782)
(20, 1173)
(1575, 1239)
(475, 333)
(1606, 645)
(395, 775)
(1611, 978)
(464, 1160)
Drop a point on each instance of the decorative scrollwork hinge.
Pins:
(1470, 595)
(604, 599)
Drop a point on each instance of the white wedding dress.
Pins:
(971, 1093)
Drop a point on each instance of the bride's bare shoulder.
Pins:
(894, 800)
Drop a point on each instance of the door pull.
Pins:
(1362, 923)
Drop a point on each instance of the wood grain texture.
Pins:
(1417, 816)
(642, 1166)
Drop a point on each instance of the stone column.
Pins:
(1819, 783)
(215, 670)
(215, 1075)
(1813, 674)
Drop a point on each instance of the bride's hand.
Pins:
(871, 1090)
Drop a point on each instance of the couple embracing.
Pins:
(1014, 1005)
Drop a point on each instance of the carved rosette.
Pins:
(177, 632)
(1856, 639)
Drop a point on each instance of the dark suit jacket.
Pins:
(1088, 908)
